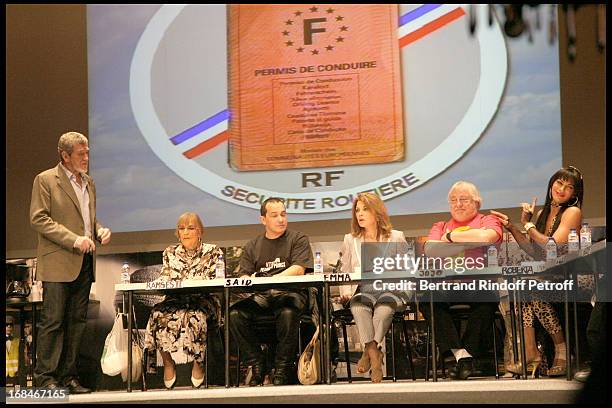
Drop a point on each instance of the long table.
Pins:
(225, 285)
(526, 270)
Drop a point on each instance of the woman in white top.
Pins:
(371, 310)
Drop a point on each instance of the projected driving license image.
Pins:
(314, 86)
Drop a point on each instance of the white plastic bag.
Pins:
(114, 356)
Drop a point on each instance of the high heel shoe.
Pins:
(376, 374)
(196, 382)
(533, 367)
(559, 369)
(363, 365)
(170, 383)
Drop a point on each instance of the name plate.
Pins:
(157, 285)
(430, 273)
(527, 267)
(232, 282)
(518, 270)
(337, 277)
(314, 86)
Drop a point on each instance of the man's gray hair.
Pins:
(466, 185)
(68, 140)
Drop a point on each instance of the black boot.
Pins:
(462, 370)
(241, 318)
(287, 325)
(257, 371)
(282, 376)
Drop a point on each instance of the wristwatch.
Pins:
(448, 237)
(528, 226)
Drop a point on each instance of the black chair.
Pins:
(344, 318)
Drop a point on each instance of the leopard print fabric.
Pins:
(545, 314)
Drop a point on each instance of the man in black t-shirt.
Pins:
(277, 252)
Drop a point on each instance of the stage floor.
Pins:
(478, 390)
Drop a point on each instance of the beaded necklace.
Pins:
(549, 231)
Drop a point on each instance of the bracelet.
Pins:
(528, 226)
(448, 238)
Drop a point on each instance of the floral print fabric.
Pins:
(179, 323)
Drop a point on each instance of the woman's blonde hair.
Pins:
(185, 218)
(376, 205)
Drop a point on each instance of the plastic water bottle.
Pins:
(573, 241)
(411, 252)
(220, 267)
(551, 249)
(492, 256)
(411, 249)
(37, 291)
(318, 264)
(125, 273)
(585, 236)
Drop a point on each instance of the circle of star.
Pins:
(293, 23)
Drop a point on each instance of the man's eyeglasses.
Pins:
(462, 201)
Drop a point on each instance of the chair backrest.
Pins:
(598, 234)
(143, 302)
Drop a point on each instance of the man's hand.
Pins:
(85, 245)
(259, 274)
(104, 235)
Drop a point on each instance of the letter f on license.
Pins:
(309, 29)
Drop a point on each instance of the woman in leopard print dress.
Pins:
(561, 212)
(179, 323)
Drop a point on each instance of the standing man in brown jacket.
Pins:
(63, 213)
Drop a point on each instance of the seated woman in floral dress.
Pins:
(179, 323)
